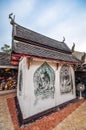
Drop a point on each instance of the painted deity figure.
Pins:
(44, 79)
(66, 79)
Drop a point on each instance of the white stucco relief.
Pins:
(44, 80)
(66, 83)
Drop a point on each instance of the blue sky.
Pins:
(53, 18)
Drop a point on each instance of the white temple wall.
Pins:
(33, 101)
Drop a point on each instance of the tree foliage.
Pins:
(6, 49)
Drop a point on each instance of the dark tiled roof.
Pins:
(40, 40)
(32, 50)
(28, 42)
(5, 59)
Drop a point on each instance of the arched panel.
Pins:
(44, 80)
(66, 82)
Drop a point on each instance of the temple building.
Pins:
(46, 75)
(82, 57)
(80, 73)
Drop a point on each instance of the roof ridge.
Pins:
(22, 33)
(40, 34)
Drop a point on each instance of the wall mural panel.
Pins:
(66, 80)
(44, 79)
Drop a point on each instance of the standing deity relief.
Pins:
(44, 80)
(66, 82)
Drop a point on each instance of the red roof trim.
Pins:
(21, 55)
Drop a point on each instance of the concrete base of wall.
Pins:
(39, 115)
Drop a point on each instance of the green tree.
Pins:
(6, 49)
